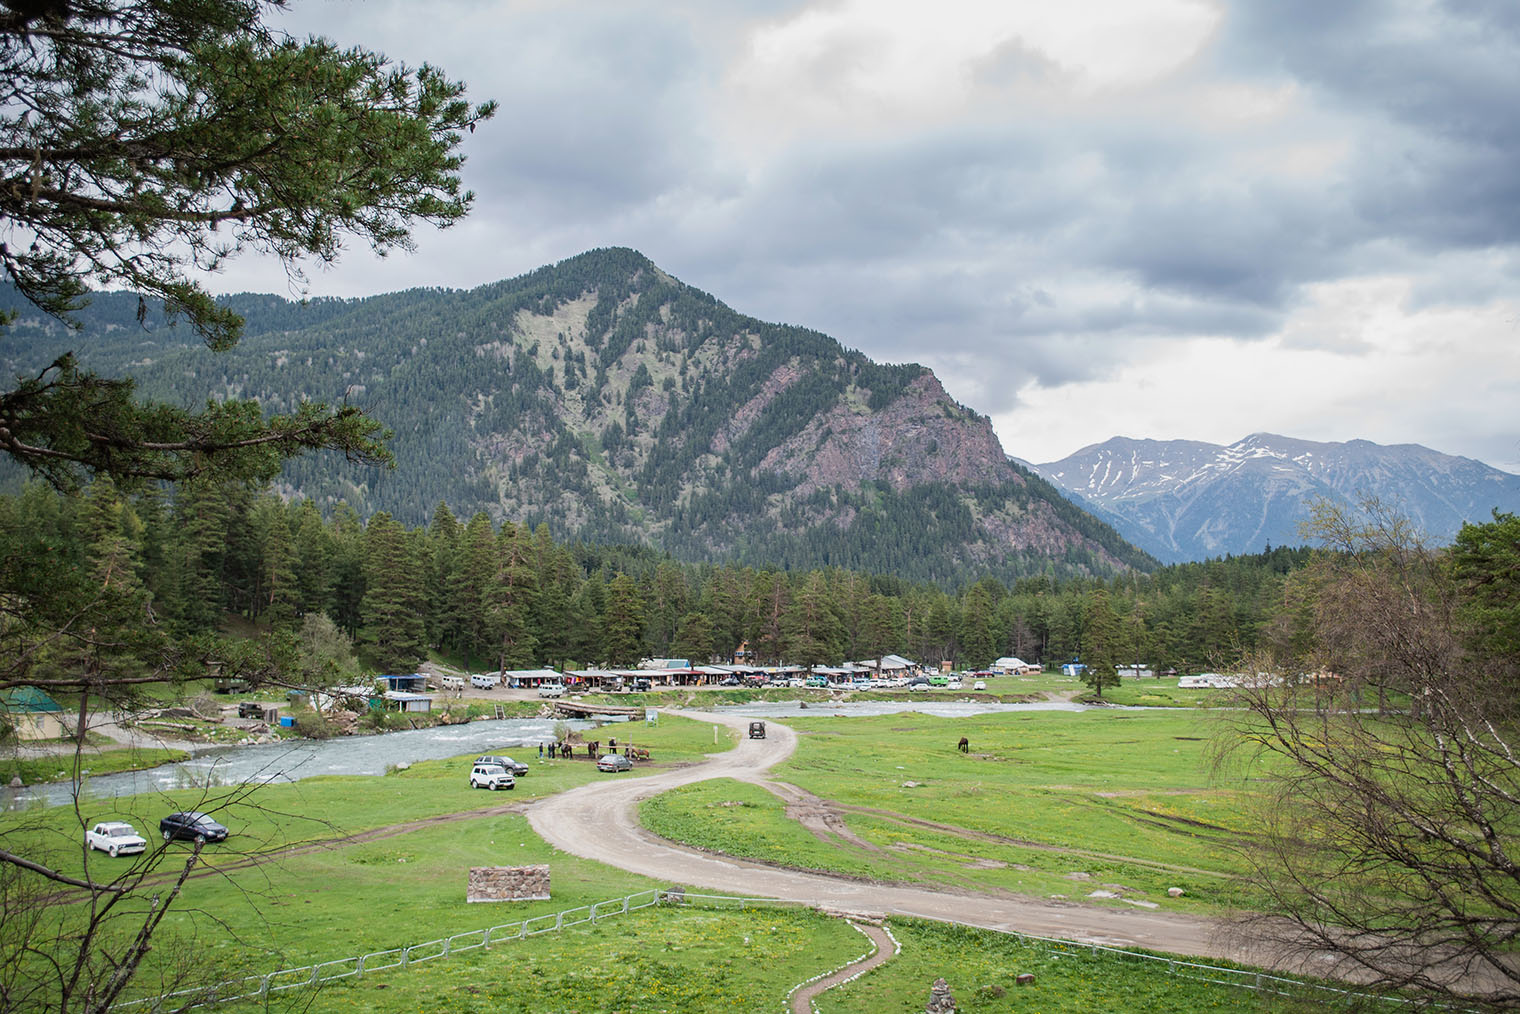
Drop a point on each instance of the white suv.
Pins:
(484, 681)
(551, 690)
(491, 776)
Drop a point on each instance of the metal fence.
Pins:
(1243, 978)
(256, 987)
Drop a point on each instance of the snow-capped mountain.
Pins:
(1189, 500)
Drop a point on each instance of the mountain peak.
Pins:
(1190, 500)
(604, 397)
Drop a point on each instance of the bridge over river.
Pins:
(579, 709)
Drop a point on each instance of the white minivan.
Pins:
(451, 682)
(551, 690)
(485, 681)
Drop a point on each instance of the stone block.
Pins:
(508, 883)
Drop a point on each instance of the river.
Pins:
(295, 759)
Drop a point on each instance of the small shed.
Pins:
(530, 679)
(33, 714)
(401, 700)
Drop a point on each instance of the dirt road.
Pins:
(598, 821)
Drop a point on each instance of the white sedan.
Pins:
(115, 838)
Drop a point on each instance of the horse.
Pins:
(591, 749)
(964, 746)
(566, 750)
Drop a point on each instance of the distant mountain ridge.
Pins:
(1189, 500)
(615, 403)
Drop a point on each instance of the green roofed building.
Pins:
(32, 713)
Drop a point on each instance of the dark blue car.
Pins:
(191, 826)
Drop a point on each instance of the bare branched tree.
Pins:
(1391, 832)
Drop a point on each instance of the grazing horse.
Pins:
(591, 749)
(964, 745)
(566, 750)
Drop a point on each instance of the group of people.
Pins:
(593, 750)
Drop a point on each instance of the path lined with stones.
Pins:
(886, 950)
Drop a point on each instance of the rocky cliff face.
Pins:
(923, 436)
(1187, 500)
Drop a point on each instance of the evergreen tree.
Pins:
(279, 592)
(202, 514)
(510, 600)
(348, 574)
(443, 547)
(1102, 642)
(314, 559)
(393, 631)
(142, 141)
(624, 630)
(771, 598)
(667, 604)
(813, 631)
(978, 633)
(555, 579)
(470, 591)
(694, 637)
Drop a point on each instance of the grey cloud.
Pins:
(1436, 107)
(961, 245)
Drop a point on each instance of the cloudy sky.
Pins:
(1149, 218)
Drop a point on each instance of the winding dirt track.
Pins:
(599, 821)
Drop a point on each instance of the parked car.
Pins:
(551, 690)
(818, 682)
(979, 685)
(491, 776)
(191, 826)
(915, 685)
(614, 762)
(485, 681)
(757, 730)
(115, 838)
(640, 685)
(953, 685)
(451, 682)
(517, 768)
(730, 681)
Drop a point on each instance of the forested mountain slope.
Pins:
(608, 399)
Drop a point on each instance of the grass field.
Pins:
(982, 967)
(695, 960)
(368, 863)
(1050, 803)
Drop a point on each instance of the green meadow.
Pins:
(1045, 803)
(330, 868)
